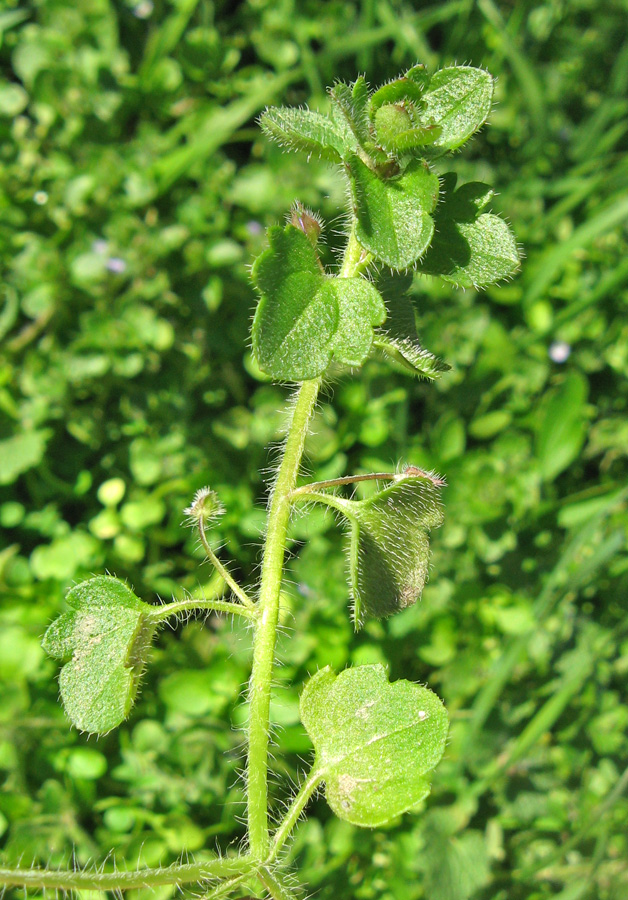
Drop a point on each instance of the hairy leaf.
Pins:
(305, 318)
(470, 248)
(389, 552)
(398, 338)
(394, 220)
(105, 638)
(375, 742)
(458, 100)
(305, 130)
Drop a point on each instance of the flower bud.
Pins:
(308, 222)
(204, 507)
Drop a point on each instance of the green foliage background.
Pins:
(134, 189)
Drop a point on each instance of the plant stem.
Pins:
(292, 816)
(160, 613)
(355, 259)
(67, 880)
(276, 888)
(235, 587)
(266, 630)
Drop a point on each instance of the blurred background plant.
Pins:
(134, 190)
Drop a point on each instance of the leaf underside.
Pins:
(375, 742)
(398, 338)
(389, 553)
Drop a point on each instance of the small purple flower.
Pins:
(559, 351)
(254, 227)
(115, 264)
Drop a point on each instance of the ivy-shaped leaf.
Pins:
(105, 638)
(470, 248)
(394, 216)
(305, 318)
(305, 130)
(458, 100)
(375, 742)
(389, 552)
(398, 338)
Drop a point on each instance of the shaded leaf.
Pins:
(105, 636)
(375, 742)
(305, 318)
(394, 220)
(305, 130)
(470, 248)
(458, 100)
(389, 551)
(398, 338)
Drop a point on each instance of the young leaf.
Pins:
(352, 101)
(470, 248)
(305, 318)
(375, 742)
(394, 220)
(389, 551)
(105, 638)
(302, 129)
(398, 338)
(458, 99)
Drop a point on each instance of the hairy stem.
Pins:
(160, 613)
(94, 880)
(294, 812)
(211, 556)
(275, 886)
(266, 631)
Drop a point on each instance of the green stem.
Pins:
(356, 259)
(211, 556)
(292, 816)
(160, 613)
(266, 631)
(111, 881)
(276, 888)
(345, 479)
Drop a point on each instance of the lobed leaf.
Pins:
(305, 318)
(105, 638)
(302, 129)
(470, 248)
(394, 217)
(375, 742)
(458, 100)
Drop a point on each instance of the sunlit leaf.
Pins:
(305, 318)
(105, 637)
(394, 216)
(375, 742)
(458, 100)
(305, 130)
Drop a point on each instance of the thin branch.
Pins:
(275, 886)
(294, 812)
(235, 587)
